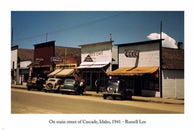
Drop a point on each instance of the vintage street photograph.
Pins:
(97, 62)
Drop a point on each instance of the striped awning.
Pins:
(89, 65)
(52, 74)
(65, 72)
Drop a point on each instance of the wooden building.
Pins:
(150, 69)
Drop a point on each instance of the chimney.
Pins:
(180, 45)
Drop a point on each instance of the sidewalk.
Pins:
(134, 98)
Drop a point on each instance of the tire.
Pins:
(109, 98)
(40, 88)
(28, 88)
(58, 90)
(49, 86)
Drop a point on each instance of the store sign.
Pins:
(88, 59)
(131, 53)
(56, 59)
(38, 61)
(99, 53)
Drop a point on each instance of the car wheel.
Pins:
(28, 88)
(58, 90)
(109, 98)
(49, 86)
(40, 88)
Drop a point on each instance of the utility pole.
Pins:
(46, 36)
(12, 37)
(160, 29)
(160, 57)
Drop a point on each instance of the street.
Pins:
(23, 101)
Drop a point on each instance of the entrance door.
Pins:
(137, 85)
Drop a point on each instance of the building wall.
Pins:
(98, 52)
(14, 58)
(173, 84)
(24, 64)
(69, 55)
(148, 55)
(115, 54)
(44, 51)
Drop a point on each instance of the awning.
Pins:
(130, 71)
(54, 72)
(88, 65)
(65, 72)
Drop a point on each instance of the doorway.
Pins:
(137, 85)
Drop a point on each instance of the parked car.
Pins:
(35, 83)
(117, 89)
(72, 86)
(53, 84)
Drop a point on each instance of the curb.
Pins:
(155, 101)
(18, 87)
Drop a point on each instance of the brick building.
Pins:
(52, 61)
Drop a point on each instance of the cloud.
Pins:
(167, 42)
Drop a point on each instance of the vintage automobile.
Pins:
(53, 84)
(35, 83)
(117, 89)
(72, 86)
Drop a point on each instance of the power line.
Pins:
(72, 27)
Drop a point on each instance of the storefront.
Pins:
(139, 67)
(92, 71)
(96, 61)
(150, 69)
(139, 80)
(63, 71)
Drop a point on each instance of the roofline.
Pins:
(141, 42)
(69, 47)
(95, 43)
(25, 49)
(39, 44)
(173, 48)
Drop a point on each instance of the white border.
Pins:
(154, 121)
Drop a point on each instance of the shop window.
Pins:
(150, 82)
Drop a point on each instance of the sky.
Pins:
(73, 28)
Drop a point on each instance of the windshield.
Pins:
(69, 81)
(114, 83)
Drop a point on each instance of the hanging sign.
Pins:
(56, 59)
(131, 53)
(88, 59)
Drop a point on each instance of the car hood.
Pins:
(68, 86)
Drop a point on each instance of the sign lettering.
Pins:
(131, 53)
(56, 59)
(96, 53)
